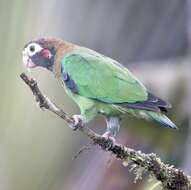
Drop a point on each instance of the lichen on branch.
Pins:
(170, 177)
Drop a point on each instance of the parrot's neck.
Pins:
(61, 50)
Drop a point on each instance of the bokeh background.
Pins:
(151, 38)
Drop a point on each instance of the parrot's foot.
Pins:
(108, 136)
(78, 122)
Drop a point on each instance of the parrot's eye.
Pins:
(32, 48)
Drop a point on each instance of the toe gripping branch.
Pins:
(78, 122)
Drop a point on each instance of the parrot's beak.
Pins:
(27, 61)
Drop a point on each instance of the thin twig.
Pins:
(84, 148)
(170, 177)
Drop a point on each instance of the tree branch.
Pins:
(170, 177)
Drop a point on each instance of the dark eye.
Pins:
(32, 48)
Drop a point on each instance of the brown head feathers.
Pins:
(61, 47)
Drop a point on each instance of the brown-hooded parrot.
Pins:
(98, 84)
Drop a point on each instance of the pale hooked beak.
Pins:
(27, 61)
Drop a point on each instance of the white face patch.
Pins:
(28, 52)
(32, 49)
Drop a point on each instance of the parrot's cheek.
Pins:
(28, 62)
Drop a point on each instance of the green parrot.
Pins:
(98, 84)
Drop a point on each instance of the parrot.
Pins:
(99, 85)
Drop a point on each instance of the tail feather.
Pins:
(162, 119)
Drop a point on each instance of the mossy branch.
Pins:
(170, 177)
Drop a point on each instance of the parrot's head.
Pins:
(40, 52)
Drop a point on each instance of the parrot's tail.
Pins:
(162, 119)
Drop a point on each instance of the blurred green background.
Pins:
(151, 38)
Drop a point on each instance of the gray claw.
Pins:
(78, 122)
(107, 135)
(111, 140)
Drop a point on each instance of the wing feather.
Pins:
(99, 77)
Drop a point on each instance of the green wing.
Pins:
(102, 78)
